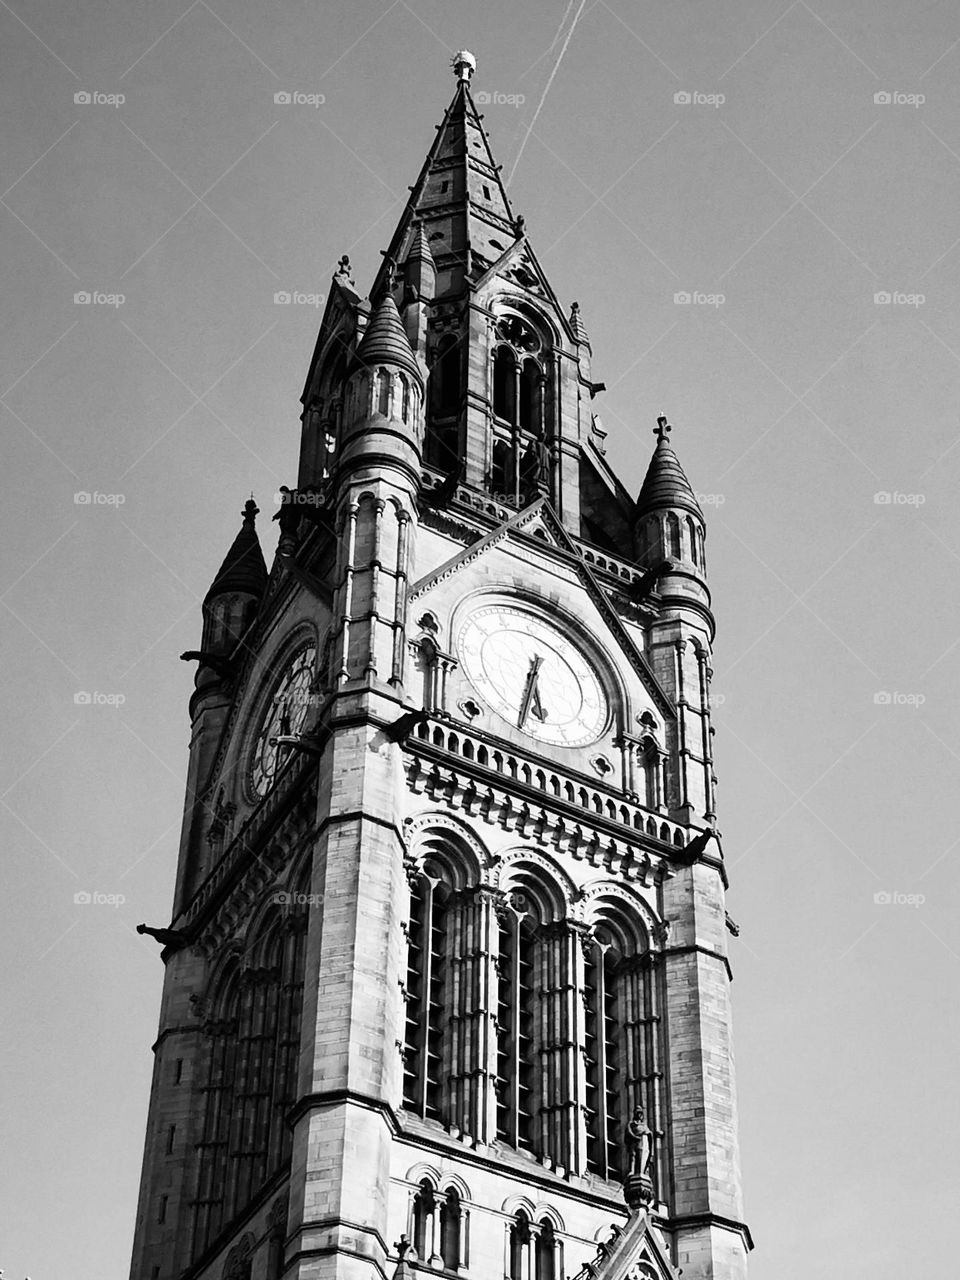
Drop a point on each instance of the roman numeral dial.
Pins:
(528, 671)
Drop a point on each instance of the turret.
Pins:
(229, 607)
(383, 398)
(374, 490)
(669, 529)
(232, 600)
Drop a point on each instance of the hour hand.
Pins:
(531, 694)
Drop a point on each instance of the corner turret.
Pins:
(383, 402)
(669, 528)
(232, 600)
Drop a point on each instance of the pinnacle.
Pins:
(577, 325)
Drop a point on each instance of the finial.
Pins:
(250, 510)
(519, 225)
(464, 65)
(662, 429)
(401, 1246)
(574, 308)
(344, 271)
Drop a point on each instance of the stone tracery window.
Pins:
(524, 1025)
(253, 1042)
(519, 386)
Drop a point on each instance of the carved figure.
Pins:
(638, 1145)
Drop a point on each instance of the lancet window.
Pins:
(533, 1249)
(438, 1227)
(444, 397)
(519, 457)
(253, 1041)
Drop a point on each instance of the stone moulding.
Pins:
(550, 824)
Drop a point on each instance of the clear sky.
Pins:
(783, 198)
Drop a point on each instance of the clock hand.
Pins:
(530, 692)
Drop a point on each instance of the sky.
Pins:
(756, 205)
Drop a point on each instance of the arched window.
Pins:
(254, 1037)
(424, 1222)
(623, 1049)
(673, 535)
(692, 532)
(404, 398)
(516, 1050)
(447, 1013)
(221, 1033)
(547, 1259)
(518, 1247)
(383, 392)
(445, 378)
(443, 405)
(423, 1090)
(504, 383)
(451, 1216)
(528, 415)
(602, 1056)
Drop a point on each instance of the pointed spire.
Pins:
(458, 198)
(666, 484)
(385, 341)
(578, 327)
(244, 571)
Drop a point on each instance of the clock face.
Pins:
(527, 671)
(285, 714)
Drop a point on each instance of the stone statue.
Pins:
(638, 1145)
(534, 469)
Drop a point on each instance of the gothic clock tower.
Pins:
(446, 984)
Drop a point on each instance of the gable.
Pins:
(636, 1253)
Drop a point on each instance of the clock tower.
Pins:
(446, 985)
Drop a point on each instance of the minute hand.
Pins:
(529, 689)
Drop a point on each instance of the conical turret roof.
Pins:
(244, 569)
(385, 340)
(666, 483)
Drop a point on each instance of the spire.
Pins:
(458, 199)
(578, 327)
(385, 340)
(666, 484)
(244, 570)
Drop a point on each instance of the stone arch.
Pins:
(446, 840)
(624, 913)
(540, 882)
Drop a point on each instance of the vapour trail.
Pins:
(546, 87)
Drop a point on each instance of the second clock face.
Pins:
(527, 671)
(284, 714)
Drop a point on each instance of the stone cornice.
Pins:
(516, 806)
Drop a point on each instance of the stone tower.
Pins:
(446, 978)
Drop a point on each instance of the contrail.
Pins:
(549, 49)
(546, 87)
